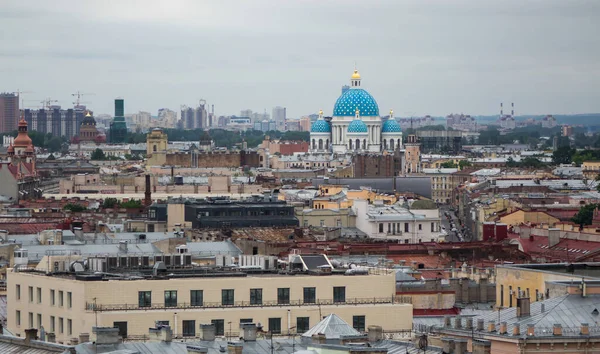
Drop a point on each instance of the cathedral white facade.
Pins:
(355, 126)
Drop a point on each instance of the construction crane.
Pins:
(19, 93)
(47, 102)
(78, 95)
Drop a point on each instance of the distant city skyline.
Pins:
(416, 58)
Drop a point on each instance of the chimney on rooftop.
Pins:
(557, 329)
(84, 338)
(235, 347)
(161, 333)
(531, 329)
(460, 345)
(208, 332)
(553, 237)
(523, 307)
(148, 193)
(106, 335)
(480, 324)
(585, 329)
(491, 326)
(249, 331)
(375, 333)
(448, 345)
(482, 346)
(30, 334)
(503, 328)
(516, 330)
(123, 246)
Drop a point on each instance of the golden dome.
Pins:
(88, 114)
(321, 112)
(356, 75)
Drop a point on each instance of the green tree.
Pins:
(563, 155)
(74, 207)
(449, 164)
(511, 162)
(110, 203)
(54, 144)
(98, 154)
(464, 163)
(132, 204)
(585, 215)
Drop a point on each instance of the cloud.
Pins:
(433, 57)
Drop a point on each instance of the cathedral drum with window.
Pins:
(356, 126)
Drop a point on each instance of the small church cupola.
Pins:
(355, 79)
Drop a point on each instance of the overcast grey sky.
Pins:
(417, 57)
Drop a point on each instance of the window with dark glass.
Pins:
(196, 297)
(358, 322)
(283, 295)
(171, 298)
(144, 298)
(405, 227)
(339, 294)
(255, 296)
(275, 325)
(227, 297)
(310, 295)
(219, 327)
(246, 320)
(189, 328)
(302, 324)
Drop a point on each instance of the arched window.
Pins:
(154, 148)
(385, 144)
(399, 144)
(391, 144)
(350, 144)
(314, 144)
(326, 143)
(357, 144)
(364, 144)
(320, 144)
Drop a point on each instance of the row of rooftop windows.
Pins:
(228, 297)
(394, 227)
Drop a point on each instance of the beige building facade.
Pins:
(67, 305)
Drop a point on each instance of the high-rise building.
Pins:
(246, 113)
(118, 127)
(54, 120)
(9, 112)
(194, 118)
(279, 116)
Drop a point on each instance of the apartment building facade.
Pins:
(70, 304)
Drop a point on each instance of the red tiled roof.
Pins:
(27, 229)
(566, 250)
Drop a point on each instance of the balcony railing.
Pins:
(240, 304)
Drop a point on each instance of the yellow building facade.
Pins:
(330, 197)
(68, 306)
(521, 217)
(591, 169)
(529, 281)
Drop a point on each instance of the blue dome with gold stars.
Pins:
(320, 126)
(356, 98)
(391, 126)
(357, 126)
